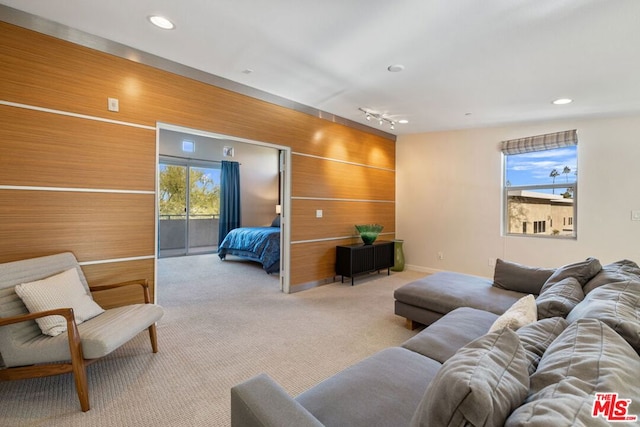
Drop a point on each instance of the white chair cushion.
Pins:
(63, 290)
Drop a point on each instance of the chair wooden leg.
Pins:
(80, 377)
(78, 365)
(154, 338)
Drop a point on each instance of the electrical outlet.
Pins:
(491, 262)
(318, 213)
(635, 215)
(440, 255)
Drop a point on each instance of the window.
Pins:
(540, 185)
(539, 227)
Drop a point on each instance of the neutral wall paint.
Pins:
(449, 197)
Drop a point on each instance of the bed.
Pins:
(261, 244)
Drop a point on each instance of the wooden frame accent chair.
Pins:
(26, 352)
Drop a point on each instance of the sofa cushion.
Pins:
(582, 271)
(440, 340)
(480, 385)
(617, 305)
(63, 290)
(618, 271)
(445, 291)
(537, 336)
(560, 298)
(520, 278)
(587, 358)
(383, 389)
(521, 313)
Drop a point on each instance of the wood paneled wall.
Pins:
(103, 164)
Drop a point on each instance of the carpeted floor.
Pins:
(224, 322)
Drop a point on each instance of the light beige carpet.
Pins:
(224, 322)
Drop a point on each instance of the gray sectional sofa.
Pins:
(576, 362)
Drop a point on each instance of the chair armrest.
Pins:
(141, 282)
(67, 313)
(261, 402)
(75, 347)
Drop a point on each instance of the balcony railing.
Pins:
(203, 231)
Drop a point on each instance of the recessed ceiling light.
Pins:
(161, 22)
(562, 101)
(395, 68)
(403, 121)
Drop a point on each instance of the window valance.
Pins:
(540, 142)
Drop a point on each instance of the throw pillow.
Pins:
(618, 271)
(522, 312)
(276, 221)
(537, 336)
(560, 298)
(617, 305)
(63, 290)
(586, 358)
(582, 271)
(520, 278)
(480, 385)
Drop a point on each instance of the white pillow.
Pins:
(522, 312)
(63, 290)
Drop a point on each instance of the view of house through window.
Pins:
(540, 187)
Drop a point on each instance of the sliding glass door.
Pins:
(188, 204)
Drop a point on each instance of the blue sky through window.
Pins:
(536, 168)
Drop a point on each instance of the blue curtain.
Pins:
(229, 198)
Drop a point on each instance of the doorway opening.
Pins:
(189, 189)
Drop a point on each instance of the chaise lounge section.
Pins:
(426, 300)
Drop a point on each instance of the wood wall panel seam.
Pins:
(117, 260)
(338, 199)
(330, 159)
(74, 189)
(76, 115)
(381, 236)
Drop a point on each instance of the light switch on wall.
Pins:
(635, 215)
(318, 213)
(113, 104)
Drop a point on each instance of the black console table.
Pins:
(352, 260)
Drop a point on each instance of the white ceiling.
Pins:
(502, 61)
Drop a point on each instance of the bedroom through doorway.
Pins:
(213, 187)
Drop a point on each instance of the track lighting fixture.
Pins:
(381, 118)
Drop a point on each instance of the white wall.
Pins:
(448, 187)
